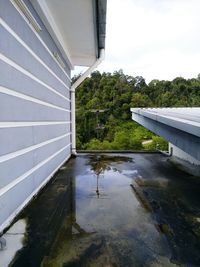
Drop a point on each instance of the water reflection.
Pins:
(101, 163)
(14, 240)
(90, 216)
(51, 218)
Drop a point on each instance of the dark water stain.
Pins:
(89, 215)
(164, 228)
(175, 205)
(140, 195)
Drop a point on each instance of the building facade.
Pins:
(40, 43)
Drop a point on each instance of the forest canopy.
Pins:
(103, 102)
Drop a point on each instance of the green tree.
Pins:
(116, 93)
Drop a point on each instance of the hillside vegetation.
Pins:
(103, 102)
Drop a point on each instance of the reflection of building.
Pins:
(51, 228)
(42, 42)
(2, 243)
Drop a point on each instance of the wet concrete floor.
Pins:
(111, 210)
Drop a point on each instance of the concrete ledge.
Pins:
(185, 166)
(119, 151)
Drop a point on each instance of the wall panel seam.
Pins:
(5, 25)
(29, 172)
(30, 75)
(19, 208)
(23, 151)
(11, 92)
(12, 124)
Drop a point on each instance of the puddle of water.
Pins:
(14, 238)
(90, 216)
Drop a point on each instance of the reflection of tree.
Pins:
(99, 163)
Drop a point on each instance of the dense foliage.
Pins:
(103, 104)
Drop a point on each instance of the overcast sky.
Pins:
(158, 39)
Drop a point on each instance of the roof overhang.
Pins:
(77, 27)
(183, 119)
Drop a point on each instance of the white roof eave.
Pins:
(74, 52)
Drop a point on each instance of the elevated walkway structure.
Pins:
(179, 126)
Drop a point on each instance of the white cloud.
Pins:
(153, 38)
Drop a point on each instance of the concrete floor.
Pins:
(111, 210)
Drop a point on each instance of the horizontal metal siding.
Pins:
(11, 16)
(32, 158)
(16, 52)
(34, 111)
(28, 136)
(13, 168)
(19, 82)
(44, 172)
(18, 194)
(16, 109)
